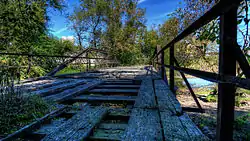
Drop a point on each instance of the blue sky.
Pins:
(156, 13)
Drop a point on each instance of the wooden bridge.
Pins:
(138, 103)
(122, 103)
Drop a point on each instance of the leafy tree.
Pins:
(151, 40)
(22, 22)
(87, 21)
(23, 29)
(115, 25)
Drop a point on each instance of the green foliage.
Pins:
(117, 26)
(53, 46)
(211, 98)
(22, 23)
(38, 66)
(241, 127)
(72, 69)
(18, 109)
(150, 42)
(23, 26)
(241, 121)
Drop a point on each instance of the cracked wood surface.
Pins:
(79, 126)
(155, 115)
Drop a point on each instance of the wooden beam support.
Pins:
(159, 60)
(218, 9)
(227, 66)
(171, 71)
(189, 87)
(241, 59)
(163, 70)
(214, 77)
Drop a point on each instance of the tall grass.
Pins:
(16, 108)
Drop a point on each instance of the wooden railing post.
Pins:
(161, 61)
(163, 70)
(158, 59)
(171, 70)
(87, 62)
(227, 66)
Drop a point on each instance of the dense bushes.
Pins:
(18, 110)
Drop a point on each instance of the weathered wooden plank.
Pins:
(146, 97)
(117, 83)
(165, 98)
(46, 85)
(102, 134)
(128, 80)
(84, 76)
(79, 126)
(153, 77)
(119, 80)
(35, 83)
(104, 98)
(59, 88)
(143, 125)
(112, 126)
(119, 86)
(119, 112)
(35, 79)
(48, 128)
(70, 93)
(172, 127)
(36, 124)
(113, 91)
(192, 130)
(24, 87)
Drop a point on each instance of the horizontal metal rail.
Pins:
(52, 56)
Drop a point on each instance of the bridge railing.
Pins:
(33, 65)
(229, 53)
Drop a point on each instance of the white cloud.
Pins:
(70, 38)
(141, 1)
(61, 30)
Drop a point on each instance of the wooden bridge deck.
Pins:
(130, 104)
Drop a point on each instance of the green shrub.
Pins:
(18, 110)
(72, 69)
(241, 121)
(211, 98)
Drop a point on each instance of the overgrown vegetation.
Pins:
(24, 29)
(17, 108)
(72, 69)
